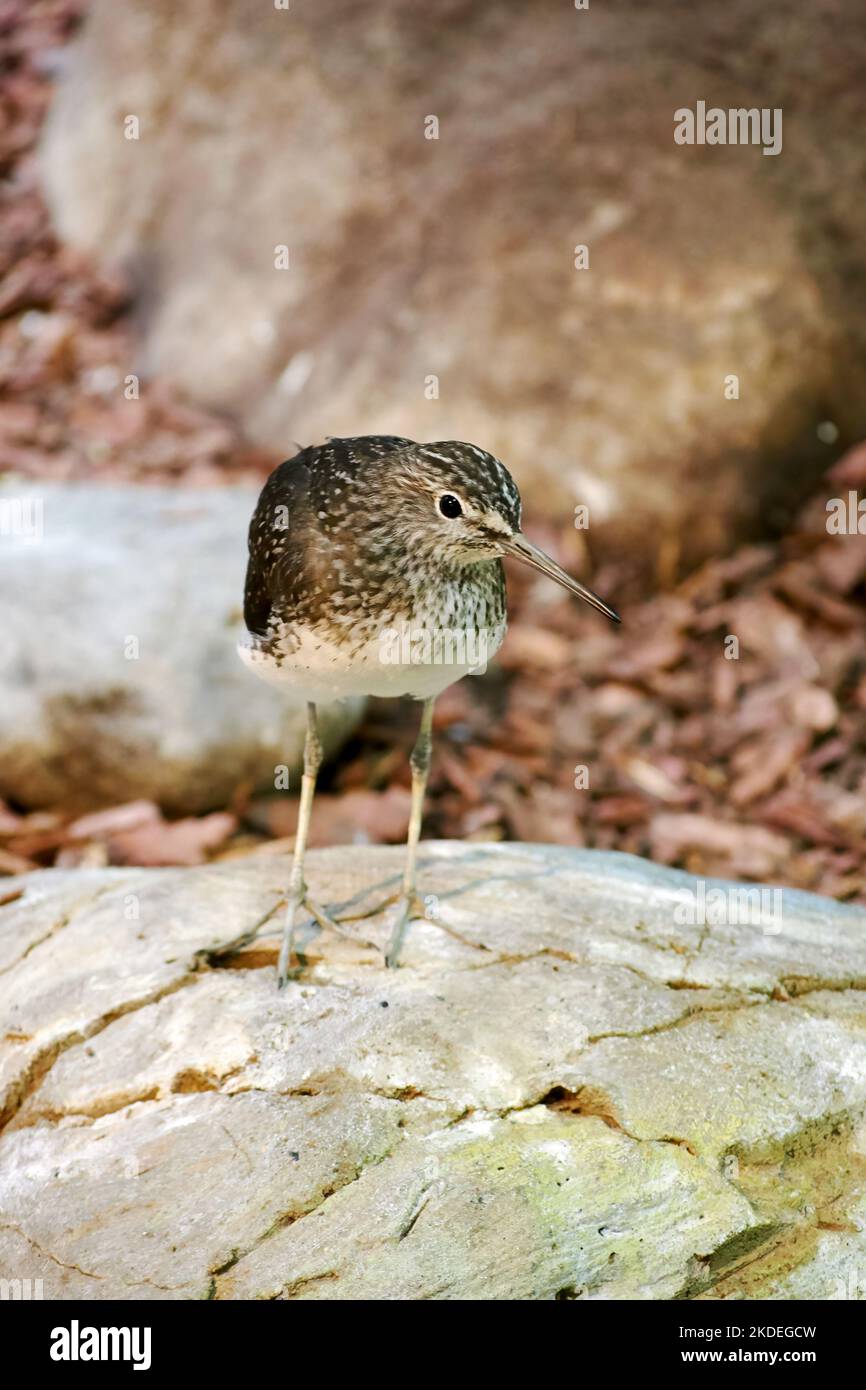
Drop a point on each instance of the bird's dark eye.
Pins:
(449, 505)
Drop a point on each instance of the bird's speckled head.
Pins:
(451, 500)
(369, 524)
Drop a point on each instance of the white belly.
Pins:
(403, 660)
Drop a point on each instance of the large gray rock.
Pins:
(411, 258)
(120, 679)
(562, 1093)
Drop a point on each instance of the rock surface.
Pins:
(562, 1093)
(453, 258)
(120, 677)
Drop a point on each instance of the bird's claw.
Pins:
(410, 909)
(323, 920)
(214, 955)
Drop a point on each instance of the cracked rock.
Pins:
(562, 1093)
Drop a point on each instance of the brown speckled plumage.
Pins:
(347, 540)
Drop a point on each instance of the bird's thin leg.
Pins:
(297, 887)
(297, 895)
(409, 904)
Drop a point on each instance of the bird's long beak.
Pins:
(522, 549)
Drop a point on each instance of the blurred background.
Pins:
(231, 229)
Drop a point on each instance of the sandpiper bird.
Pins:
(375, 569)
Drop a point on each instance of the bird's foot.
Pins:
(398, 896)
(409, 909)
(215, 955)
(334, 924)
(325, 921)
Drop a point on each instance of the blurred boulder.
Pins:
(121, 610)
(421, 264)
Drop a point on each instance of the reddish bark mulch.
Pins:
(665, 738)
